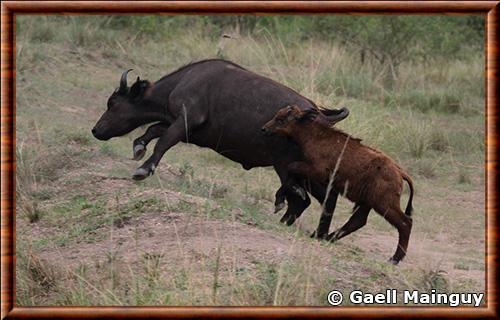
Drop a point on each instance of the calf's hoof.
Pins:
(279, 206)
(332, 237)
(319, 236)
(335, 235)
(139, 151)
(393, 261)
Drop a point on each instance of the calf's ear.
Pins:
(308, 115)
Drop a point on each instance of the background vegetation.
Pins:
(201, 231)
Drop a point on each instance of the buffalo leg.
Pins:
(296, 207)
(279, 202)
(296, 204)
(301, 168)
(170, 137)
(357, 221)
(153, 132)
(289, 187)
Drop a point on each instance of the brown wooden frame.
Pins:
(11, 8)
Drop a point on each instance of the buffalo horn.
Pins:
(336, 115)
(123, 81)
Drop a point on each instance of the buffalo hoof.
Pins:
(279, 206)
(285, 218)
(288, 219)
(141, 174)
(393, 261)
(139, 152)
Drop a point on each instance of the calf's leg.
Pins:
(328, 207)
(403, 224)
(357, 221)
(319, 191)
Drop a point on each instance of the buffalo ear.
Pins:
(138, 89)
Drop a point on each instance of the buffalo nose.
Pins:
(264, 129)
(94, 131)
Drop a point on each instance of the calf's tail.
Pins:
(409, 207)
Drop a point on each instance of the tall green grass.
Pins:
(430, 120)
(439, 85)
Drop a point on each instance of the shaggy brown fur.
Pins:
(362, 174)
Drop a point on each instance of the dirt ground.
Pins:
(193, 242)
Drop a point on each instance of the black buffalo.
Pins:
(222, 106)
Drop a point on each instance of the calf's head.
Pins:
(123, 112)
(286, 119)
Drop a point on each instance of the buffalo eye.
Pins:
(111, 103)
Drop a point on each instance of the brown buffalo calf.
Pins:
(362, 174)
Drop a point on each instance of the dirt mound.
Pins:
(176, 236)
